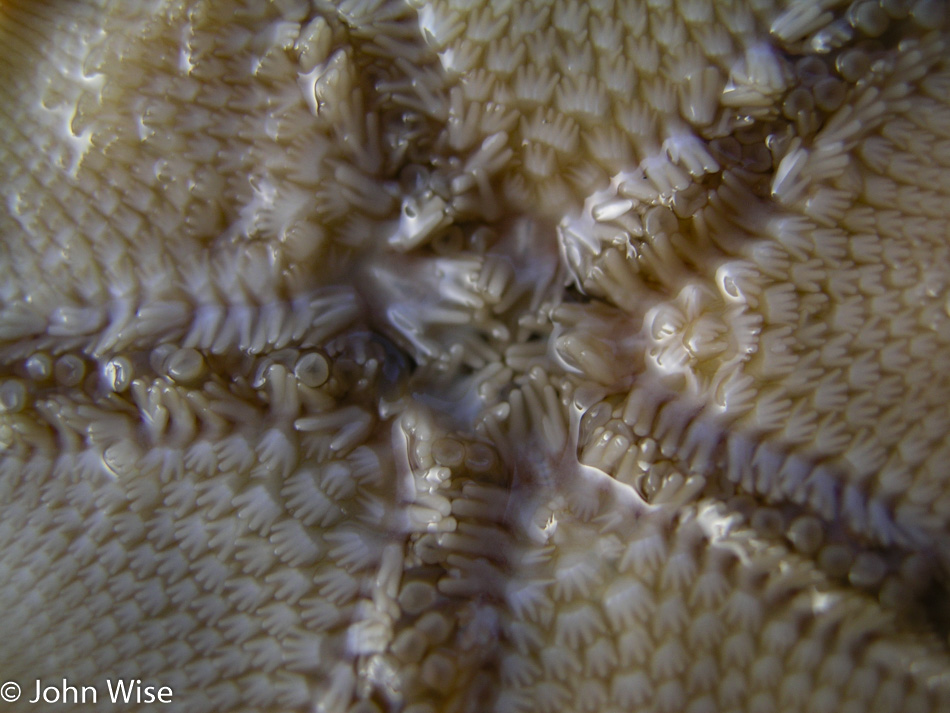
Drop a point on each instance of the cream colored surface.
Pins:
(477, 356)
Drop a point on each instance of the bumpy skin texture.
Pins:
(477, 356)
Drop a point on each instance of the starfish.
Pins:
(461, 356)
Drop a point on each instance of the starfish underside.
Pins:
(467, 356)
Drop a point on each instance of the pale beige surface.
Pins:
(477, 356)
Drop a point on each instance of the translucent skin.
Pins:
(477, 356)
